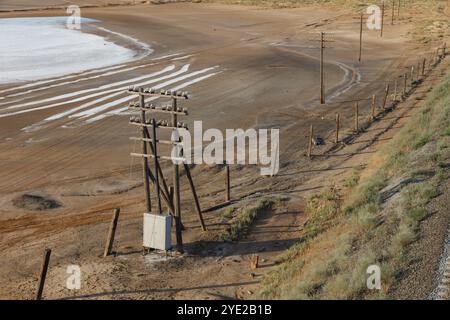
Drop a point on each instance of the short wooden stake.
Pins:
(145, 167)
(322, 86)
(393, 12)
(360, 36)
(43, 274)
(382, 19)
(111, 233)
(412, 76)
(170, 199)
(386, 94)
(338, 124)
(227, 183)
(311, 136)
(423, 66)
(405, 83)
(374, 98)
(356, 116)
(254, 261)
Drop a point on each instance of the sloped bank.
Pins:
(395, 217)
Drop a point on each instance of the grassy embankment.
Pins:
(379, 219)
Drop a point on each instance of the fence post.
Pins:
(227, 183)
(43, 274)
(311, 134)
(356, 116)
(373, 106)
(338, 124)
(111, 233)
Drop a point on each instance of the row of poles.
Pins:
(395, 11)
(408, 81)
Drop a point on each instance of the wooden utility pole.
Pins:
(111, 233)
(322, 89)
(310, 143)
(145, 168)
(398, 9)
(227, 183)
(176, 189)
(373, 106)
(360, 36)
(338, 124)
(43, 274)
(356, 117)
(382, 19)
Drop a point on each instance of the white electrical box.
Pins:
(157, 231)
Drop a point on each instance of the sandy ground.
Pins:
(267, 77)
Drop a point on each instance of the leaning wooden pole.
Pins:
(43, 274)
(176, 190)
(194, 193)
(111, 233)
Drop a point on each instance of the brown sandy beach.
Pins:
(265, 75)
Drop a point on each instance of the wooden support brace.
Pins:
(194, 193)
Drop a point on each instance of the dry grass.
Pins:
(240, 219)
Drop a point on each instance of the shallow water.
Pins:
(43, 47)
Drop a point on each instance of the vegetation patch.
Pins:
(241, 219)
